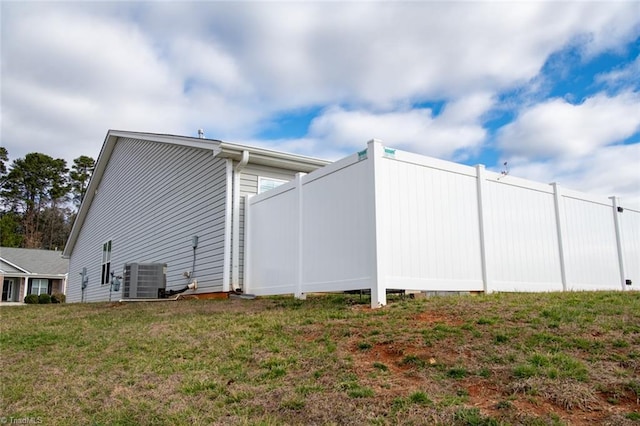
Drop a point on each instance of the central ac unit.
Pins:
(144, 280)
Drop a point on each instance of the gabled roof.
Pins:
(219, 148)
(19, 261)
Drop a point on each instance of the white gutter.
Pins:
(35, 275)
(235, 249)
(228, 212)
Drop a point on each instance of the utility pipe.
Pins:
(149, 300)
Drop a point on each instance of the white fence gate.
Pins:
(387, 219)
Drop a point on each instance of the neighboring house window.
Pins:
(39, 286)
(106, 262)
(265, 184)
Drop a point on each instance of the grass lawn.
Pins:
(533, 359)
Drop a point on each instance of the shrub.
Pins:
(31, 299)
(58, 298)
(44, 299)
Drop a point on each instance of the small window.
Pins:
(265, 184)
(39, 286)
(106, 262)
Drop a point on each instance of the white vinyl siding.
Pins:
(152, 199)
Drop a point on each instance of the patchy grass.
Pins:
(543, 359)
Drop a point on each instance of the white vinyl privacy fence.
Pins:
(385, 219)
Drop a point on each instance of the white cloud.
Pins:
(72, 70)
(610, 171)
(626, 76)
(380, 53)
(456, 129)
(558, 128)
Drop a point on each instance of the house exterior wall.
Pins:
(152, 199)
(386, 219)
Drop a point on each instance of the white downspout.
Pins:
(235, 249)
(228, 224)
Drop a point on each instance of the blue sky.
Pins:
(553, 88)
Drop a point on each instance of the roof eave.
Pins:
(270, 158)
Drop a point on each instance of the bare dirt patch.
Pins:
(437, 318)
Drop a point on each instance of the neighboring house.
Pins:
(170, 200)
(31, 271)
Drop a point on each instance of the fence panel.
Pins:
(630, 235)
(431, 238)
(591, 253)
(338, 245)
(272, 242)
(591, 258)
(386, 219)
(521, 236)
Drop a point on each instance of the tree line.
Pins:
(39, 199)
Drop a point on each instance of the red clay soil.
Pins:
(491, 396)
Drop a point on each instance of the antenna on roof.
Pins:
(200, 133)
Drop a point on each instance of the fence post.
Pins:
(480, 182)
(299, 294)
(246, 285)
(617, 210)
(557, 198)
(378, 285)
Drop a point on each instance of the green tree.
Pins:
(55, 227)
(4, 156)
(34, 183)
(80, 174)
(10, 229)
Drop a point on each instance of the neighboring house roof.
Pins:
(219, 148)
(19, 261)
